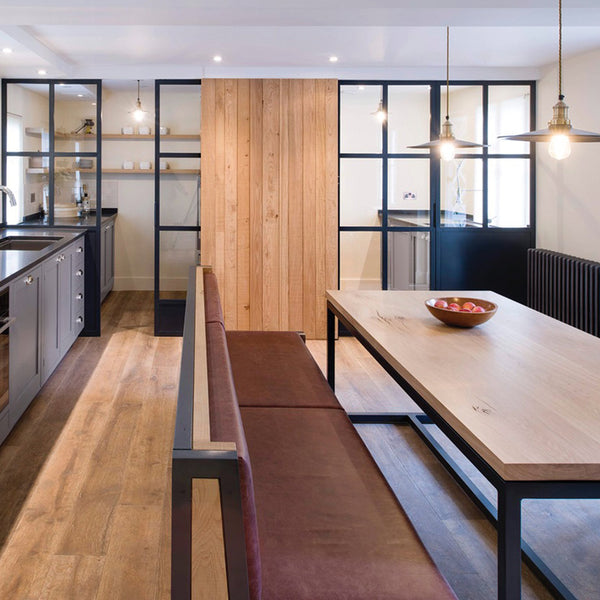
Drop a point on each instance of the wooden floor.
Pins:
(85, 477)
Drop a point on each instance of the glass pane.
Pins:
(508, 113)
(75, 117)
(408, 117)
(508, 192)
(30, 102)
(360, 191)
(408, 260)
(461, 190)
(466, 114)
(180, 191)
(74, 186)
(408, 192)
(360, 260)
(16, 179)
(360, 129)
(179, 117)
(178, 251)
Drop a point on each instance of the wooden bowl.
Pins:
(461, 319)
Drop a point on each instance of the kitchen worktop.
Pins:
(88, 221)
(17, 262)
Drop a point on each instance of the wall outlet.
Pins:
(409, 196)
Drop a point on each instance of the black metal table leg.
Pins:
(331, 348)
(509, 542)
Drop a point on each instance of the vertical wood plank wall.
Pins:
(269, 199)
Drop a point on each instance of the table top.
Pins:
(523, 389)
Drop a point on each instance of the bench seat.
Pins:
(328, 524)
(265, 363)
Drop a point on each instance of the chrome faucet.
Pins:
(9, 193)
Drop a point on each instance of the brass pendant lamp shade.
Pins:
(447, 143)
(559, 131)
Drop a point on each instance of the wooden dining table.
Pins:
(519, 395)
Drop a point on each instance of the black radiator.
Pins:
(564, 287)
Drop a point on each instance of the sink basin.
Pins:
(27, 242)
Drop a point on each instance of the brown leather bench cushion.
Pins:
(330, 528)
(226, 426)
(213, 313)
(275, 368)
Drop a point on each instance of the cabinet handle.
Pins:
(79, 320)
(79, 273)
(60, 258)
(28, 280)
(79, 249)
(79, 296)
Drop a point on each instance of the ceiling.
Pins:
(391, 39)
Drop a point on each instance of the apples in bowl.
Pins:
(461, 312)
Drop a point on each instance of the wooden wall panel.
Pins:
(269, 199)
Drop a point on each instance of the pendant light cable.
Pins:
(447, 73)
(560, 94)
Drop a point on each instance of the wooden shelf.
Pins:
(151, 171)
(37, 131)
(44, 171)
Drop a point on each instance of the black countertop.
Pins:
(18, 262)
(87, 222)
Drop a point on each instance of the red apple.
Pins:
(465, 310)
(441, 304)
(469, 306)
(454, 306)
(478, 309)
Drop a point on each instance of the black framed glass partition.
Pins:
(51, 160)
(407, 219)
(177, 198)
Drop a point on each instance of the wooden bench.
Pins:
(275, 495)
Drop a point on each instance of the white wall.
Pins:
(568, 191)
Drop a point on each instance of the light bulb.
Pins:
(138, 113)
(380, 115)
(447, 150)
(559, 147)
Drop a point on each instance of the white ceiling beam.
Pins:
(24, 36)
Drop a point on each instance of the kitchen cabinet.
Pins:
(25, 363)
(62, 304)
(107, 259)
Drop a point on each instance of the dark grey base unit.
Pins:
(47, 304)
(107, 259)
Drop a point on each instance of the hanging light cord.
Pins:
(138, 96)
(447, 73)
(560, 94)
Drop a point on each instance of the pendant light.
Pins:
(559, 133)
(447, 143)
(139, 112)
(379, 114)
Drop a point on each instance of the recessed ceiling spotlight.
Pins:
(41, 71)
(333, 59)
(361, 88)
(93, 104)
(7, 50)
(80, 95)
(217, 58)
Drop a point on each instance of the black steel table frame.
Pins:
(507, 517)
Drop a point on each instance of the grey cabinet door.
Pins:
(51, 285)
(24, 370)
(65, 294)
(107, 259)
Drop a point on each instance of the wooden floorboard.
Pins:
(85, 477)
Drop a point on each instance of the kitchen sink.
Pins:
(23, 242)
